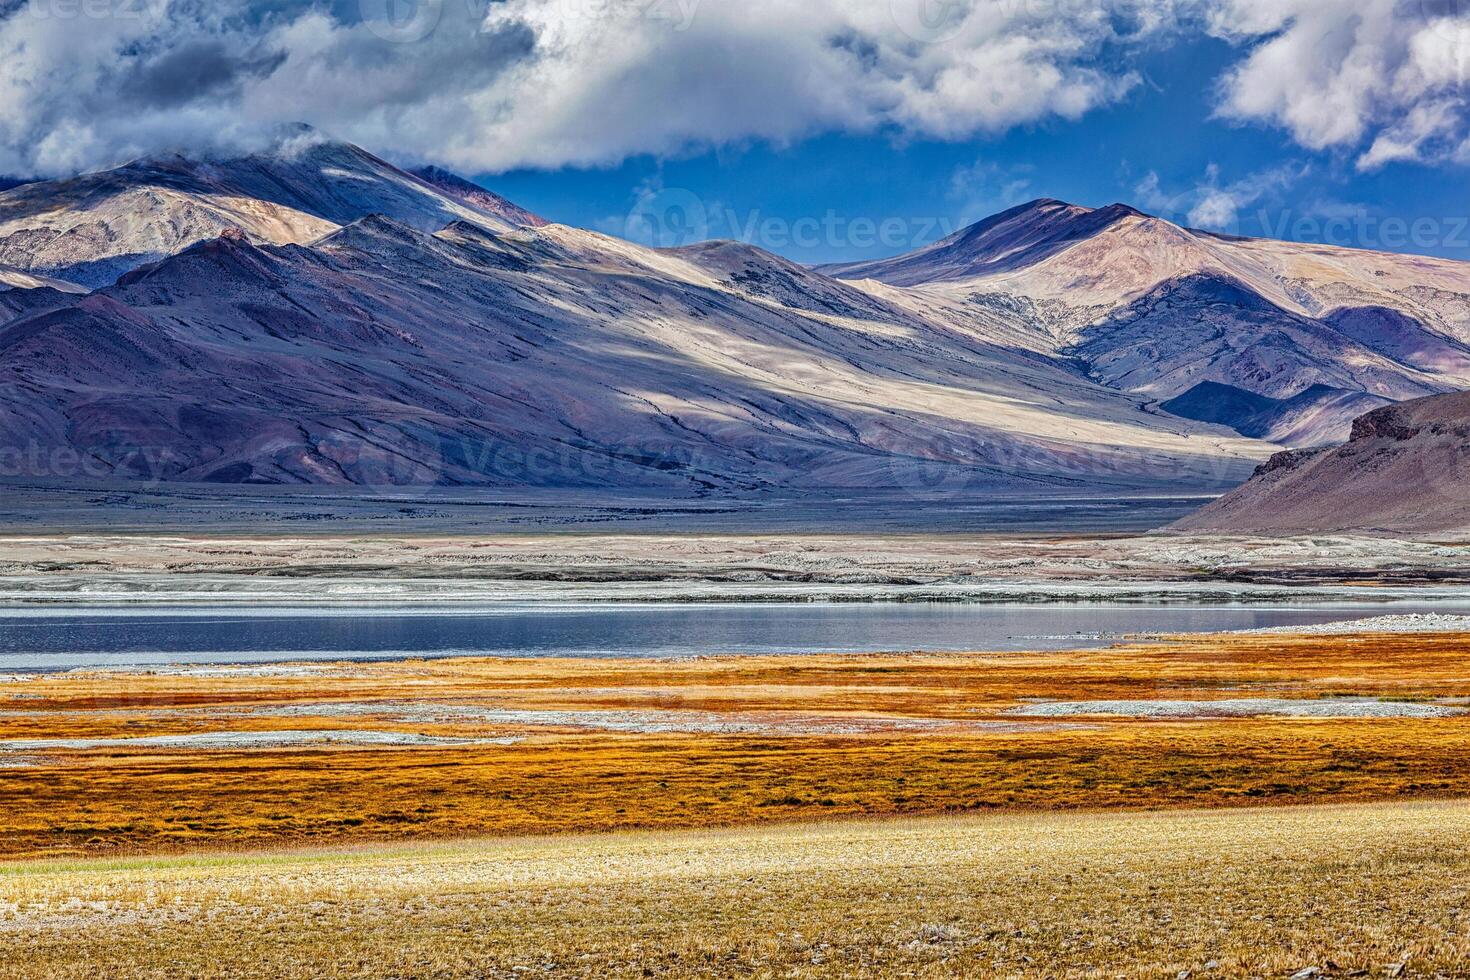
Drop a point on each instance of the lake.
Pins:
(55, 639)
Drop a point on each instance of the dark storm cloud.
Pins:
(196, 70)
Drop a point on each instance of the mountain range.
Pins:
(1205, 323)
(314, 314)
(91, 229)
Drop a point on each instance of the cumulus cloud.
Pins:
(488, 85)
(86, 83)
(1383, 79)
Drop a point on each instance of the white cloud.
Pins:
(1408, 138)
(1211, 204)
(491, 86)
(1216, 209)
(1386, 74)
(607, 80)
(486, 85)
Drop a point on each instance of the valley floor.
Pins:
(1359, 890)
(1222, 805)
(99, 762)
(133, 507)
(290, 567)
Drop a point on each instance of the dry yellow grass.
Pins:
(819, 741)
(422, 893)
(1376, 888)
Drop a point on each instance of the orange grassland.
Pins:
(811, 736)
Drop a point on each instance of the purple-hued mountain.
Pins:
(474, 196)
(389, 350)
(1155, 309)
(1011, 240)
(555, 357)
(93, 228)
(1406, 469)
(315, 315)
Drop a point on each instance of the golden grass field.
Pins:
(888, 815)
(1350, 890)
(558, 746)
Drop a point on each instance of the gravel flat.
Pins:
(1410, 623)
(1243, 708)
(240, 740)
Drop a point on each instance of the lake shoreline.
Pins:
(73, 637)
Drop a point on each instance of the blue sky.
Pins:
(823, 129)
(1167, 128)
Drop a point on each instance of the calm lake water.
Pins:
(61, 640)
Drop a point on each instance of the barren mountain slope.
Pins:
(557, 357)
(1406, 469)
(91, 229)
(19, 279)
(1013, 239)
(1156, 309)
(474, 196)
(315, 314)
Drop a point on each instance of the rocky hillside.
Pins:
(1406, 469)
(553, 357)
(1151, 308)
(93, 228)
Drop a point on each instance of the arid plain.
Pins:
(1231, 804)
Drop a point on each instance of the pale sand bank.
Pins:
(1242, 708)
